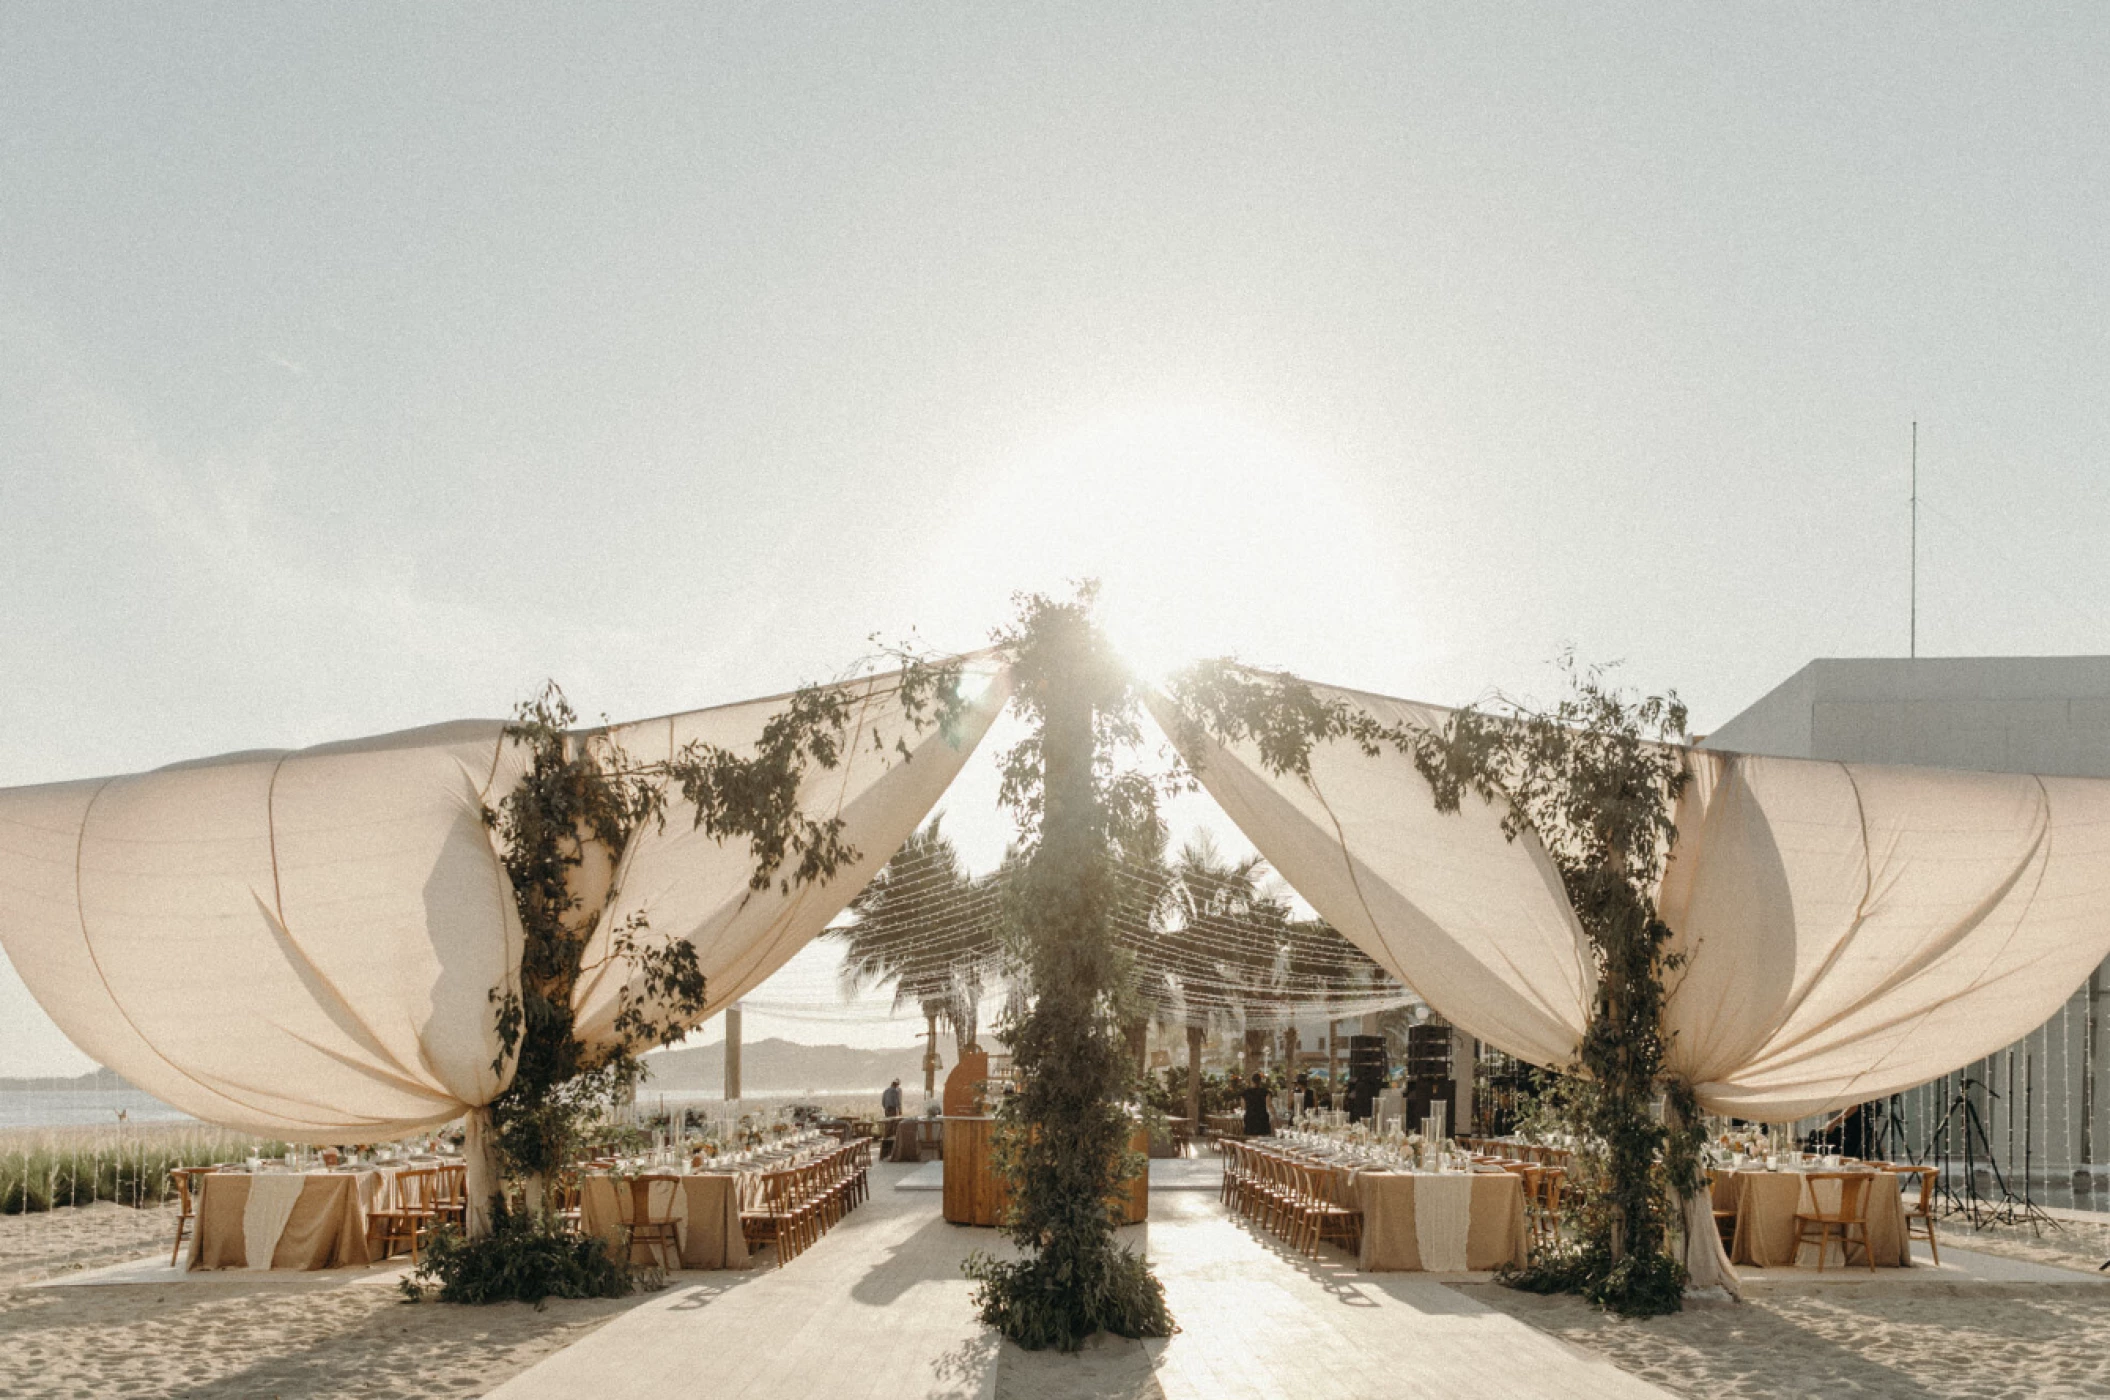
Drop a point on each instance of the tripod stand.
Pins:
(1961, 1118)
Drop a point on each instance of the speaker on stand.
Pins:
(1369, 1065)
(1429, 1074)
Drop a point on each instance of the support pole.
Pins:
(732, 1052)
(1465, 1070)
(482, 1180)
(930, 1056)
(1194, 1080)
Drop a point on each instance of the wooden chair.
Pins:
(451, 1195)
(1919, 1214)
(777, 1222)
(569, 1212)
(1850, 1218)
(1327, 1214)
(1553, 1189)
(1724, 1216)
(413, 1218)
(187, 1181)
(646, 1211)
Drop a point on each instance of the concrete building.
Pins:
(2049, 715)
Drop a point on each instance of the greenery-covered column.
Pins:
(1063, 1140)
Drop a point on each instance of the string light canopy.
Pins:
(1208, 942)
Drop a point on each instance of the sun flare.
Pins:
(1210, 536)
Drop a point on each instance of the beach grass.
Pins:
(46, 1168)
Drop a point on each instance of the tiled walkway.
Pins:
(878, 1309)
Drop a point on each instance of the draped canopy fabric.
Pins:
(1848, 930)
(689, 886)
(305, 944)
(296, 943)
(1478, 925)
(1851, 930)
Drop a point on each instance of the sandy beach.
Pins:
(1875, 1339)
(350, 1335)
(1893, 1338)
(1889, 1338)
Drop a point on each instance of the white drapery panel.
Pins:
(305, 944)
(1852, 930)
(301, 944)
(689, 886)
(1849, 930)
(1477, 925)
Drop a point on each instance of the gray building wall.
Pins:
(2040, 1100)
(2048, 714)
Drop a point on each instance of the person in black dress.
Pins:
(1257, 1123)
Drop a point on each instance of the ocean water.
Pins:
(73, 1108)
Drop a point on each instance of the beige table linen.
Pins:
(1766, 1203)
(706, 1215)
(325, 1227)
(1495, 1232)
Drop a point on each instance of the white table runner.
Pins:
(1443, 1215)
(271, 1201)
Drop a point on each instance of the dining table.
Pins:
(1441, 1222)
(705, 1208)
(269, 1219)
(1766, 1201)
(705, 1200)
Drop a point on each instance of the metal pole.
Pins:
(1915, 640)
(732, 1053)
(1194, 1082)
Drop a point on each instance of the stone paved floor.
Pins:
(878, 1309)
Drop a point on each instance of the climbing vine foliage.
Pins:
(1063, 1139)
(563, 829)
(1596, 778)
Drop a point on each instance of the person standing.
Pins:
(890, 1101)
(1257, 1122)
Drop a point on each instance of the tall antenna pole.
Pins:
(1915, 638)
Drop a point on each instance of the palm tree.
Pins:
(930, 929)
(1224, 948)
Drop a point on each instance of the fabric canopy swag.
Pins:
(1847, 930)
(306, 943)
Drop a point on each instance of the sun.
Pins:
(1209, 534)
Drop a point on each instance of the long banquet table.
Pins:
(1766, 1202)
(706, 1215)
(1442, 1222)
(286, 1220)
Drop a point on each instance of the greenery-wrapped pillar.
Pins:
(1063, 1139)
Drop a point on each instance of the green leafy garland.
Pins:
(578, 804)
(1597, 778)
(1063, 1139)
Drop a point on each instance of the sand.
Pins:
(1889, 1339)
(350, 1334)
(53, 1243)
(344, 1334)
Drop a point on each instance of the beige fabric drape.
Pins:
(304, 944)
(301, 944)
(1849, 930)
(1852, 930)
(690, 886)
(1478, 925)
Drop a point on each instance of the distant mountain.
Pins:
(96, 1079)
(776, 1066)
(771, 1066)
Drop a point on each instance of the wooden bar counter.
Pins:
(976, 1195)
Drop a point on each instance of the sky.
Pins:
(364, 366)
